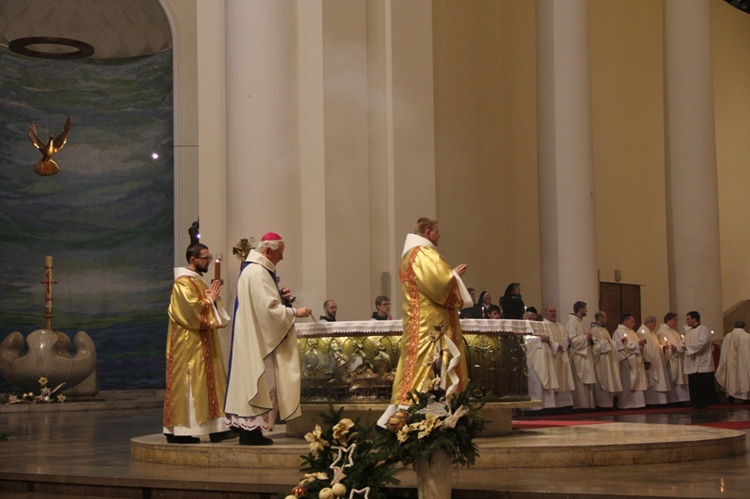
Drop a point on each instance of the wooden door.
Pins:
(616, 299)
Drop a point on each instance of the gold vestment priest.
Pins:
(196, 380)
(432, 296)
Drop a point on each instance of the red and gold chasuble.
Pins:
(193, 356)
(431, 297)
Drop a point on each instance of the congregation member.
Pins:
(733, 371)
(699, 363)
(559, 344)
(512, 303)
(483, 305)
(606, 363)
(542, 375)
(196, 379)
(432, 294)
(470, 312)
(494, 312)
(382, 309)
(263, 382)
(582, 358)
(329, 311)
(670, 340)
(632, 367)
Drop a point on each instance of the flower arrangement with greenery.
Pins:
(429, 426)
(45, 394)
(343, 461)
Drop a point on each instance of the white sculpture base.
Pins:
(434, 480)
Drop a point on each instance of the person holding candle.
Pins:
(264, 368)
(670, 340)
(581, 353)
(699, 363)
(659, 382)
(632, 366)
(196, 379)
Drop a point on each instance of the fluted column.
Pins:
(566, 168)
(692, 189)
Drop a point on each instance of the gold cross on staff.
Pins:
(48, 282)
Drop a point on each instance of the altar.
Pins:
(352, 364)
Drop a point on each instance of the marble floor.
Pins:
(87, 454)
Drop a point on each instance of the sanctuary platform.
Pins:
(85, 450)
(606, 444)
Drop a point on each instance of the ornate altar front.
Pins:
(356, 361)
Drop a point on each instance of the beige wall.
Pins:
(731, 45)
(627, 87)
(402, 86)
(485, 142)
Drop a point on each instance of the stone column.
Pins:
(566, 168)
(262, 130)
(692, 188)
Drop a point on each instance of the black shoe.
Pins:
(254, 437)
(182, 439)
(223, 435)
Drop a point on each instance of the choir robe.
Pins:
(542, 378)
(658, 379)
(676, 364)
(559, 345)
(264, 372)
(632, 369)
(733, 371)
(583, 363)
(606, 366)
(699, 366)
(195, 375)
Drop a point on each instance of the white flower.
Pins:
(314, 439)
(43, 381)
(60, 398)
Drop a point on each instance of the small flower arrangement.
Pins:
(343, 462)
(428, 426)
(45, 394)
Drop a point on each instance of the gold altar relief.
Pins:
(341, 362)
(348, 368)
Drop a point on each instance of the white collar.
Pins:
(414, 240)
(184, 271)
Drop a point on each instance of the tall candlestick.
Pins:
(48, 282)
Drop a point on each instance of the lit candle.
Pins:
(217, 267)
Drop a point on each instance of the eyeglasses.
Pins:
(209, 257)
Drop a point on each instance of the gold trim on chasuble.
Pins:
(408, 277)
(203, 333)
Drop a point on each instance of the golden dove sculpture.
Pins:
(47, 166)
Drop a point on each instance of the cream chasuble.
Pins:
(733, 371)
(606, 360)
(558, 338)
(630, 351)
(675, 359)
(263, 330)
